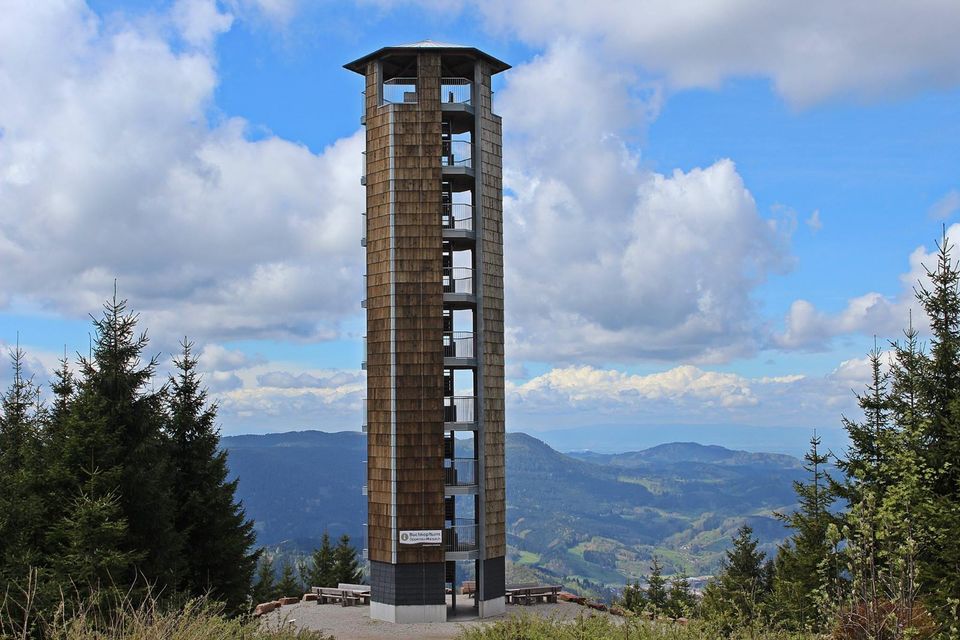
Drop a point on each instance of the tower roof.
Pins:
(359, 65)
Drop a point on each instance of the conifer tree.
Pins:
(218, 538)
(346, 566)
(739, 594)
(321, 571)
(656, 588)
(634, 598)
(114, 431)
(21, 513)
(289, 584)
(680, 601)
(264, 590)
(940, 437)
(805, 566)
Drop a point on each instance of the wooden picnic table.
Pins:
(531, 595)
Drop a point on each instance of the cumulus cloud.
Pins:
(111, 168)
(606, 260)
(216, 357)
(685, 394)
(327, 380)
(811, 51)
(806, 327)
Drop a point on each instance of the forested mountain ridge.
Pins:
(589, 517)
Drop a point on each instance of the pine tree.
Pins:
(346, 566)
(680, 601)
(218, 537)
(634, 598)
(656, 588)
(738, 595)
(289, 584)
(265, 588)
(939, 439)
(322, 572)
(115, 431)
(803, 564)
(21, 510)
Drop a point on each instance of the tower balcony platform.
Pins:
(458, 289)
(460, 410)
(461, 541)
(459, 350)
(456, 220)
(460, 476)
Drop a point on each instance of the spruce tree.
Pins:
(321, 571)
(346, 566)
(940, 437)
(656, 588)
(680, 601)
(21, 507)
(264, 590)
(114, 431)
(804, 564)
(289, 584)
(218, 538)
(739, 594)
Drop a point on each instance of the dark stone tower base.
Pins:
(490, 591)
(407, 592)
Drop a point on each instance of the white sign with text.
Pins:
(428, 536)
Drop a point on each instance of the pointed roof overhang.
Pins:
(360, 64)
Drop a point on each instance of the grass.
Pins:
(602, 627)
(196, 620)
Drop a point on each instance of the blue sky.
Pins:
(713, 207)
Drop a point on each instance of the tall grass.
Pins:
(112, 615)
(603, 627)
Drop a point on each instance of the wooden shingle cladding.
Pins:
(404, 331)
(490, 234)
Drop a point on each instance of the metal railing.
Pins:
(363, 167)
(363, 363)
(457, 215)
(459, 409)
(458, 280)
(460, 472)
(456, 344)
(461, 537)
(363, 229)
(363, 107)
(456, 153)
(399, 90)
(455, 90)
(363, 420)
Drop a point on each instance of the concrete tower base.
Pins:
(494, 607)
(408, 613)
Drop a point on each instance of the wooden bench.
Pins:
(361, 591)
(360, 594)
(468, 588)
(532, 595)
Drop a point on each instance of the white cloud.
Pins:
(813, 222)
(812, 51)
(806, 327)
(109, 168)
(946, 206)
(326, 380)
(604, 259)
(685, 394)
(216, 357)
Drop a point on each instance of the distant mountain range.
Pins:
(586, 519)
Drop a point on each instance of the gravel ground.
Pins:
(354, 623)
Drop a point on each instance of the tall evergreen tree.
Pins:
(114, 431)
(21, 513)
(940, 436)
(805, 564)
(321, 570)
(289, 584)
(265, 587)
(346, 566)
(680, 601)
(739, 594)
(218, 556)
(656, 588)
